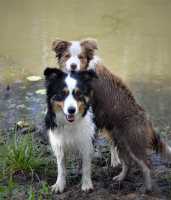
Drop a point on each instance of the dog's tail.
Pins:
(160, 146)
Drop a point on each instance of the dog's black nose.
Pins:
(73, 66)
(71, 110)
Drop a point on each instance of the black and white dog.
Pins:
(69, 120)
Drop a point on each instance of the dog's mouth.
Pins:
(70, 118)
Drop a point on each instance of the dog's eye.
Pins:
(81, 57)
(60, 96)
(64, 93)
(78, 94)
(67, 55)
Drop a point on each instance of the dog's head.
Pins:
(74, 55)
(69, 93)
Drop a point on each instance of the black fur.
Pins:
(55, 83)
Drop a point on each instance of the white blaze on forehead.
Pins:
(75, 48)
(70, 101)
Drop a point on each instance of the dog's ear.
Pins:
(51, 73)
(59, 46)
(90, 44)
(88, 76)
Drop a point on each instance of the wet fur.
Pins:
(68, 136)
(122, 119)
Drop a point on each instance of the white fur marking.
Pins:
(74, 50)
(70, 101)
(122, 174)
(115, 161)
(95, 61)
(166, 153)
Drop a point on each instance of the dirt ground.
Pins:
(132, 188)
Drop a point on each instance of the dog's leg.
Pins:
(123, 173)
(115, 161)
(146, 171)
(86, 169)
(61, 180)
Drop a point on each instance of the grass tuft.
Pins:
(20, 154)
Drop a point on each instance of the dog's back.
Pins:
(112, 98)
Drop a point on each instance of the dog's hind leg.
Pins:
(146, 171)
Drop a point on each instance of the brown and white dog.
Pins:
(76, 55)
(115, 109)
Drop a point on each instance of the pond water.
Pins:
(134, 39)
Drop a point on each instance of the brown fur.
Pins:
(124, 120)
(119, 116)
(81, 107)
(58, 106)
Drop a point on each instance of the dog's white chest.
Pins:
(76, 135)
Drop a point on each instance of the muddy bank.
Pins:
(132, 188)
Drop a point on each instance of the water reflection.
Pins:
(134, 41)
(134, 36)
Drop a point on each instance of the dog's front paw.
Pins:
(59, 186)
(115, 161)
(119, 178)
(87, 186)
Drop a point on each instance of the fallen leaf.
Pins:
(41, 91)
(34, 78)
(22, 124)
